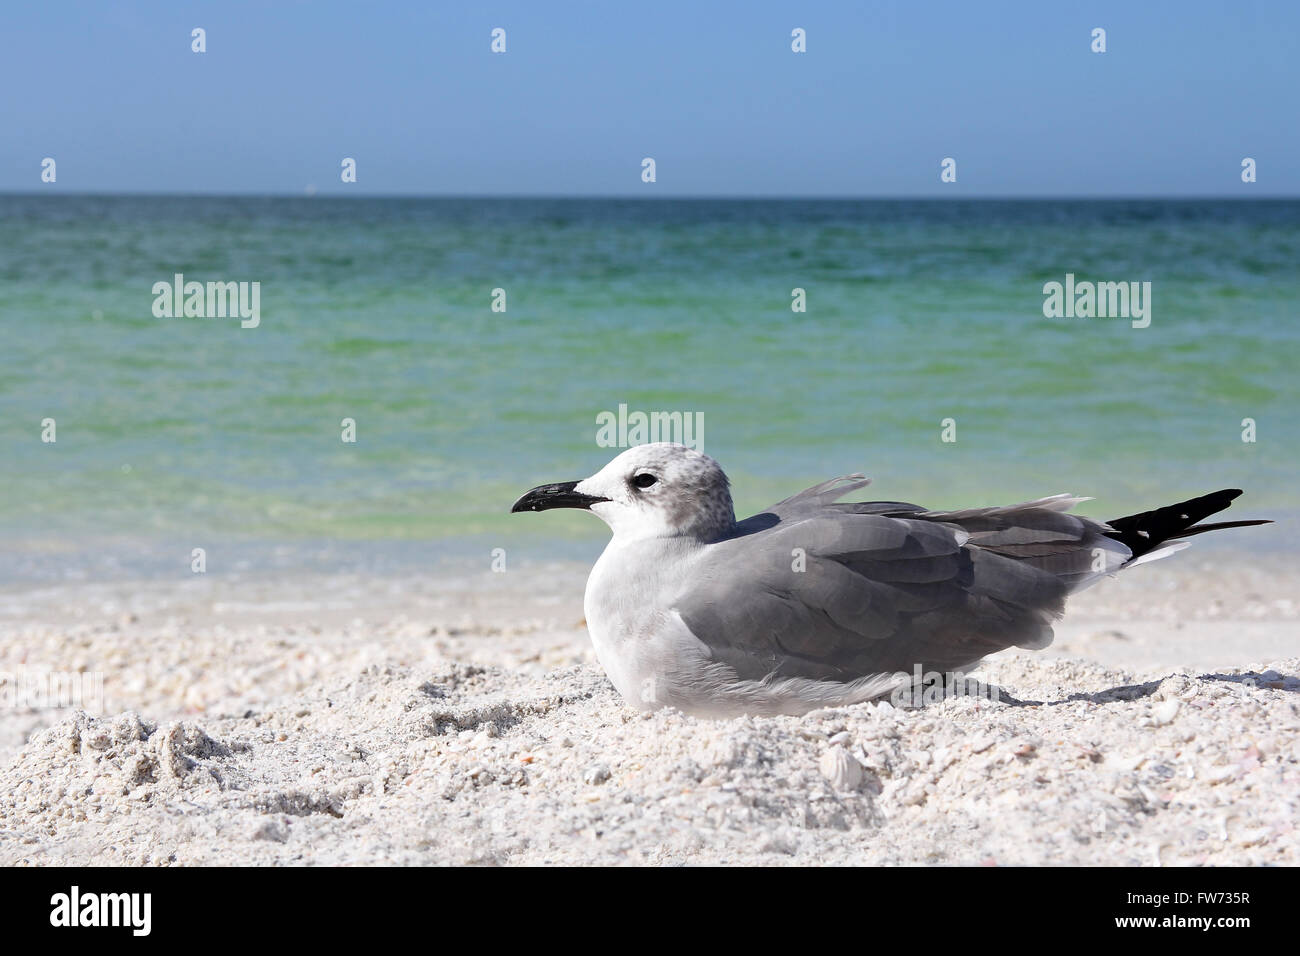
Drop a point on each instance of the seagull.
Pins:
(820, 603)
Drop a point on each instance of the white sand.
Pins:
(360, 720)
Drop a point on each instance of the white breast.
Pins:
(637, 638)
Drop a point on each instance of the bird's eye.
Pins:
(644, 480)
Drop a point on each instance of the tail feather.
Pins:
(1145, 532)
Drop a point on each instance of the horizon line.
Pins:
(622, 197)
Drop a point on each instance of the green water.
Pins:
(179, 429)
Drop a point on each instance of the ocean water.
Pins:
(172, 432)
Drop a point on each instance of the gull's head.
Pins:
(660, 490)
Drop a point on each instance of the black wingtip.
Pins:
(1220, 525)
(1144, 532)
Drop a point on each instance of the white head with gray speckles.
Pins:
(662, 490)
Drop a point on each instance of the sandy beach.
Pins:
(452, 719)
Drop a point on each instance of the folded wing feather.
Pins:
(832, 591)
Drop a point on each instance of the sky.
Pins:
(1012, 91)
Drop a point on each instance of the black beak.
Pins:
(562, 495)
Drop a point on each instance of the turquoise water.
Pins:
(178, 429)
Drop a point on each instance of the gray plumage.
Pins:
(815, 601)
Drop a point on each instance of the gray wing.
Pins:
(816, 589)
(824, 498)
